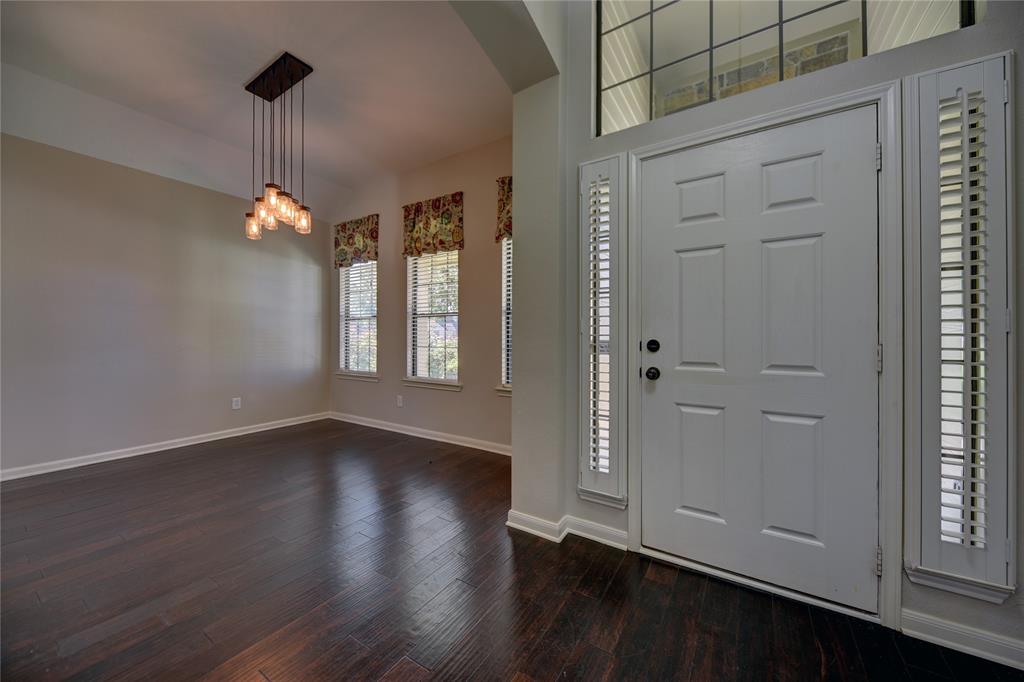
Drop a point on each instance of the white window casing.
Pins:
(357, 318)
(602, 437)
(961, 479)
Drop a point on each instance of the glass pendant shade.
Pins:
(270, 192)
(271, 223)
(252, 227)
(303, 220)
(284, 207)
(260, 209)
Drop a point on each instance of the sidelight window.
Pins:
(602, 467)
(964, 539)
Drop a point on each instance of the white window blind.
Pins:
(357, 332)
(506, 311)
(966, 477)
(433, 316)
(602, 474)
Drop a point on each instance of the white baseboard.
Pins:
(556, 532)
(84, 460)
(994, 647)
(549, 530)
(489, 446)
(596, 531)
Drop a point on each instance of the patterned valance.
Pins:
(504, 209)
(433, 225)
(355, 241)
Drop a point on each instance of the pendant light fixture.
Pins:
(275, 87)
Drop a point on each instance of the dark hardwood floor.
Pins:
(333, 551)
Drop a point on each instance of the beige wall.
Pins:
(477, 411)
(133, 310)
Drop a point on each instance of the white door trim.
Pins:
(887, 97)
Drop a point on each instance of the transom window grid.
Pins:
(636, 100)
(357, 332)
(433, 316)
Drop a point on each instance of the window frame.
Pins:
(344, 274)
(411, 378)
(967, 17)
(608, 488)
(988, 573)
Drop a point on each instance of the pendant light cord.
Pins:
(284, 168)
(302, 141)
(263, 134)
(253, 162)
(272, 143)
(291, 133)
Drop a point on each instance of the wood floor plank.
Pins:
(337, 551)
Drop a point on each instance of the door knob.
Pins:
(653, 345)
(653, 373)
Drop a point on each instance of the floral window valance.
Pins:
(355, 241)
(504, 230)
(433, 225)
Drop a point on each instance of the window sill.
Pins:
(504, 390)
(436, 384)
(968, 587)
(601, 498)
(357, 376)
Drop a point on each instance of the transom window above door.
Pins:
(656, 58)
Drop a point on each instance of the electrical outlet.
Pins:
(236, 403)
(399, 401)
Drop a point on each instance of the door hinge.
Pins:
(1006, 92)
(878, 358)
(1009, 321)
(878, 561)
(878, 156)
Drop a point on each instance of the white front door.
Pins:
(759, 281)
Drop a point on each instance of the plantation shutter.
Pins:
(966, 467)
(602, 474)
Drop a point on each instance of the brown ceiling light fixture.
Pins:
(276, 87)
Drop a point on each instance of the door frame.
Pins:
(891, 249)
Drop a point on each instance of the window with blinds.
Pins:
(506, 311)
(357, 331)
(602, 332)
(960, 535)
(599, 322)
(963, 260)
(433, 316)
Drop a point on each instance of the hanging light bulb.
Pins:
(303, 220)
(271, 223)
(252, 227)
